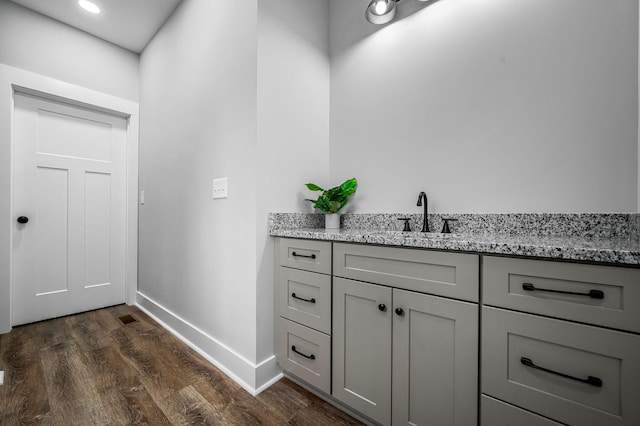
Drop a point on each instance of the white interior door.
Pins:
(69, 180)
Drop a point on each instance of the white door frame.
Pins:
(17, 80)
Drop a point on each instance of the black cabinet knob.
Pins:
(23, 219)
(382, 307)
(399, 312)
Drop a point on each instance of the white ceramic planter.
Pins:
(332, 221)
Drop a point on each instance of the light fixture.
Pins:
(381, 11)
(89, 6)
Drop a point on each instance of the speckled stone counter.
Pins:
(608, 238)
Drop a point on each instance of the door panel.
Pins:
(361, 347)
(52, 197)
(72, 136)
(96, 221)
(435, 360)
(69, 179)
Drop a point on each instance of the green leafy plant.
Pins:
(332, 200)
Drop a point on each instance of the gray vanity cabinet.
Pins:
(393, 333)
(400, 356)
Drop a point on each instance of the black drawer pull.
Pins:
(593, 381)
(293, 348)
(304, 300)
(594, 294)
(308, 256)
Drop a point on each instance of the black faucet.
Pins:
(425, 219)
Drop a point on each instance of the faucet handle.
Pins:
(445, 227)
(407, 227)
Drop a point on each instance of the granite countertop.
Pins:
(616, 249)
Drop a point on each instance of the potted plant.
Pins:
(332, 200)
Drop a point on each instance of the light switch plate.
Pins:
(1, 377)
(220, 188)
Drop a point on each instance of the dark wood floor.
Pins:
(91, 369)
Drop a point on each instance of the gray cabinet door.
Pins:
(435, 360)
(362, 347)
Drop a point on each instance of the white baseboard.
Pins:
(254, 378)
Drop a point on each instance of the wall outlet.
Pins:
(1, 377)
(220, 188)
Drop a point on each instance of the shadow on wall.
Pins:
(409, 7)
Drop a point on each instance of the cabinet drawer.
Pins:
(304, 297)
(511, 340)
(443, 274)
(305, 353)
(314, 256)
(498, 413)
(616, 291)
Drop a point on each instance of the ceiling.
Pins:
(128, 23)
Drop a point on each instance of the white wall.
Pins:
(293, 126)
(198, 122)
(42, 45)
(488, 106)
(238, 90)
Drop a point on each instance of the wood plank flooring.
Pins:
(91, 369)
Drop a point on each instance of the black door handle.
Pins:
(312, 356)
(594, 294)
(312, 300)
(399, 312)
(590, 380)
(308, 256)
(23, 219)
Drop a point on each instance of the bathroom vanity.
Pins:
(410, 329)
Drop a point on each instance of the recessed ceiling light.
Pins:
(89, 6)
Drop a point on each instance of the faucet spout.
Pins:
(425, 218)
